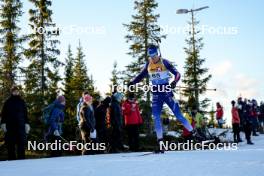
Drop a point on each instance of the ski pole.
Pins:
(64, 139)
(192, 88)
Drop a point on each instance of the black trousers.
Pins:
(102, 135)
(133, 137)
(236, 131)
(248, 130)
(116, 139)
(15, 146)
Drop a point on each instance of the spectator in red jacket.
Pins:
(133, 120)
(235, 122)
(219, 115)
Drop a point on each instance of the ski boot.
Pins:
(159, 148)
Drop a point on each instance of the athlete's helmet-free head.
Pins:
(152, 51)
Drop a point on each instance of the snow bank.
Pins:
(247, 160)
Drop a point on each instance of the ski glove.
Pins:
(173, 84)
(56, 133)
(3, 127)
(27, 128)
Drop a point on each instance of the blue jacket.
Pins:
(56, 118)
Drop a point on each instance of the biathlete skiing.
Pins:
(158, 70)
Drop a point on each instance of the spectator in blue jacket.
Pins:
(56, 120)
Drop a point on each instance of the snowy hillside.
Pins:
(247, 160)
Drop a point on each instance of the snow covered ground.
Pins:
(247, 160)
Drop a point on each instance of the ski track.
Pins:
(247, 160)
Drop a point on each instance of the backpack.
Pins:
(46, 113)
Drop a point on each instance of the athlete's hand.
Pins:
(173, 84)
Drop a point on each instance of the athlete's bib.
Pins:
(158, 73)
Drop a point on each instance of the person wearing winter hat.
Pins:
(159, 71)
(116, 122)
(87, 121)
(56, 121)
(61, 99)
(15, 124)
(79, 105)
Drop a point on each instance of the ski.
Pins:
(144, 154)
(150, 153)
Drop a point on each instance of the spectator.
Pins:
(235, 122)
(254, 116)
(100, 118)
(96, 103)
(55, 123)
(116, 122)
(219, 115)
(15, 124)
(241, 112)
(80, 105)
(200, 124)
(87, 121)
(261, 117)
(133, 120)
(247, 122)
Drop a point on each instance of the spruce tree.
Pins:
(68, 87)
(76, 81)
(10, 44)
(143, 30)
(42, 74)
(196, 76)
(42, 52)
(115, 78)
(71, 104)
(81, 81)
